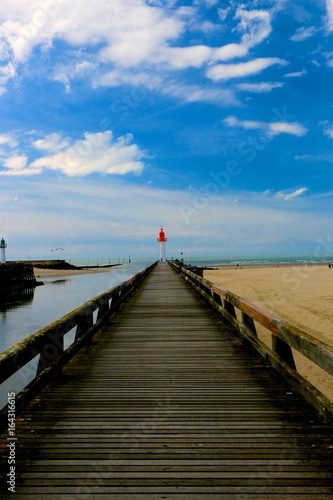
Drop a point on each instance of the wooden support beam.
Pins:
(249, 323)
(283, 350)
(229, 308)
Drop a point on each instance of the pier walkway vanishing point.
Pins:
(168, 401)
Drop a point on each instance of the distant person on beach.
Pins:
(330, 265)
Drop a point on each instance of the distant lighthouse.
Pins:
(3, 247)
(162, 240)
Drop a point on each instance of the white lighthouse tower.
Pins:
(3, 247)
(162, 240)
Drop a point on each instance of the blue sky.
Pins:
(211, 118)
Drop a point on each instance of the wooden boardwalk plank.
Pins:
(168, 402)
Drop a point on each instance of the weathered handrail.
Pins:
(285, 336)
(33, 362)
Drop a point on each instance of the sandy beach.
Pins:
(303, 295)
(54, 273)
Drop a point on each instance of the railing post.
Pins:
(103, 308)
(217, 298)
(53, 347)
(249, 323)
(229, 308)
(283, 350)
(85, 320)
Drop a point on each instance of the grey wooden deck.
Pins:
(167, 402)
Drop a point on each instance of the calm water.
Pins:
(57, 297)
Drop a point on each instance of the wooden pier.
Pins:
(168, 401)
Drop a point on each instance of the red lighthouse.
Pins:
(162, 239)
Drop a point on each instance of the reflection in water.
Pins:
(15, 297)
(57, 282)
(37, 308)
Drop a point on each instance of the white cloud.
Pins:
(296, 74)
(16, 162)
(188, 56)
(16, 165)
(232, 121)
(329, 9)
(208, 27)
(271, 129)
(138, 34)
(327, 128)
(288, 128)
(52, 142)
(62, 77)
(175, 57)
(153, 82)
(255, 25)
(146, 80)
(229, 51)
(84, 67)
(131, 34)
(198, 55)
(228, 71)
(130, 29)
(288, 196)
(96, 153)
(211, 3)
(194, 93)
(259, 88)
(303, 33)
(8, 140)
(133, 42)
(6, 72)
(64, 74)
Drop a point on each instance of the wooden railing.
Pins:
(285, 337)
(29, 365)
